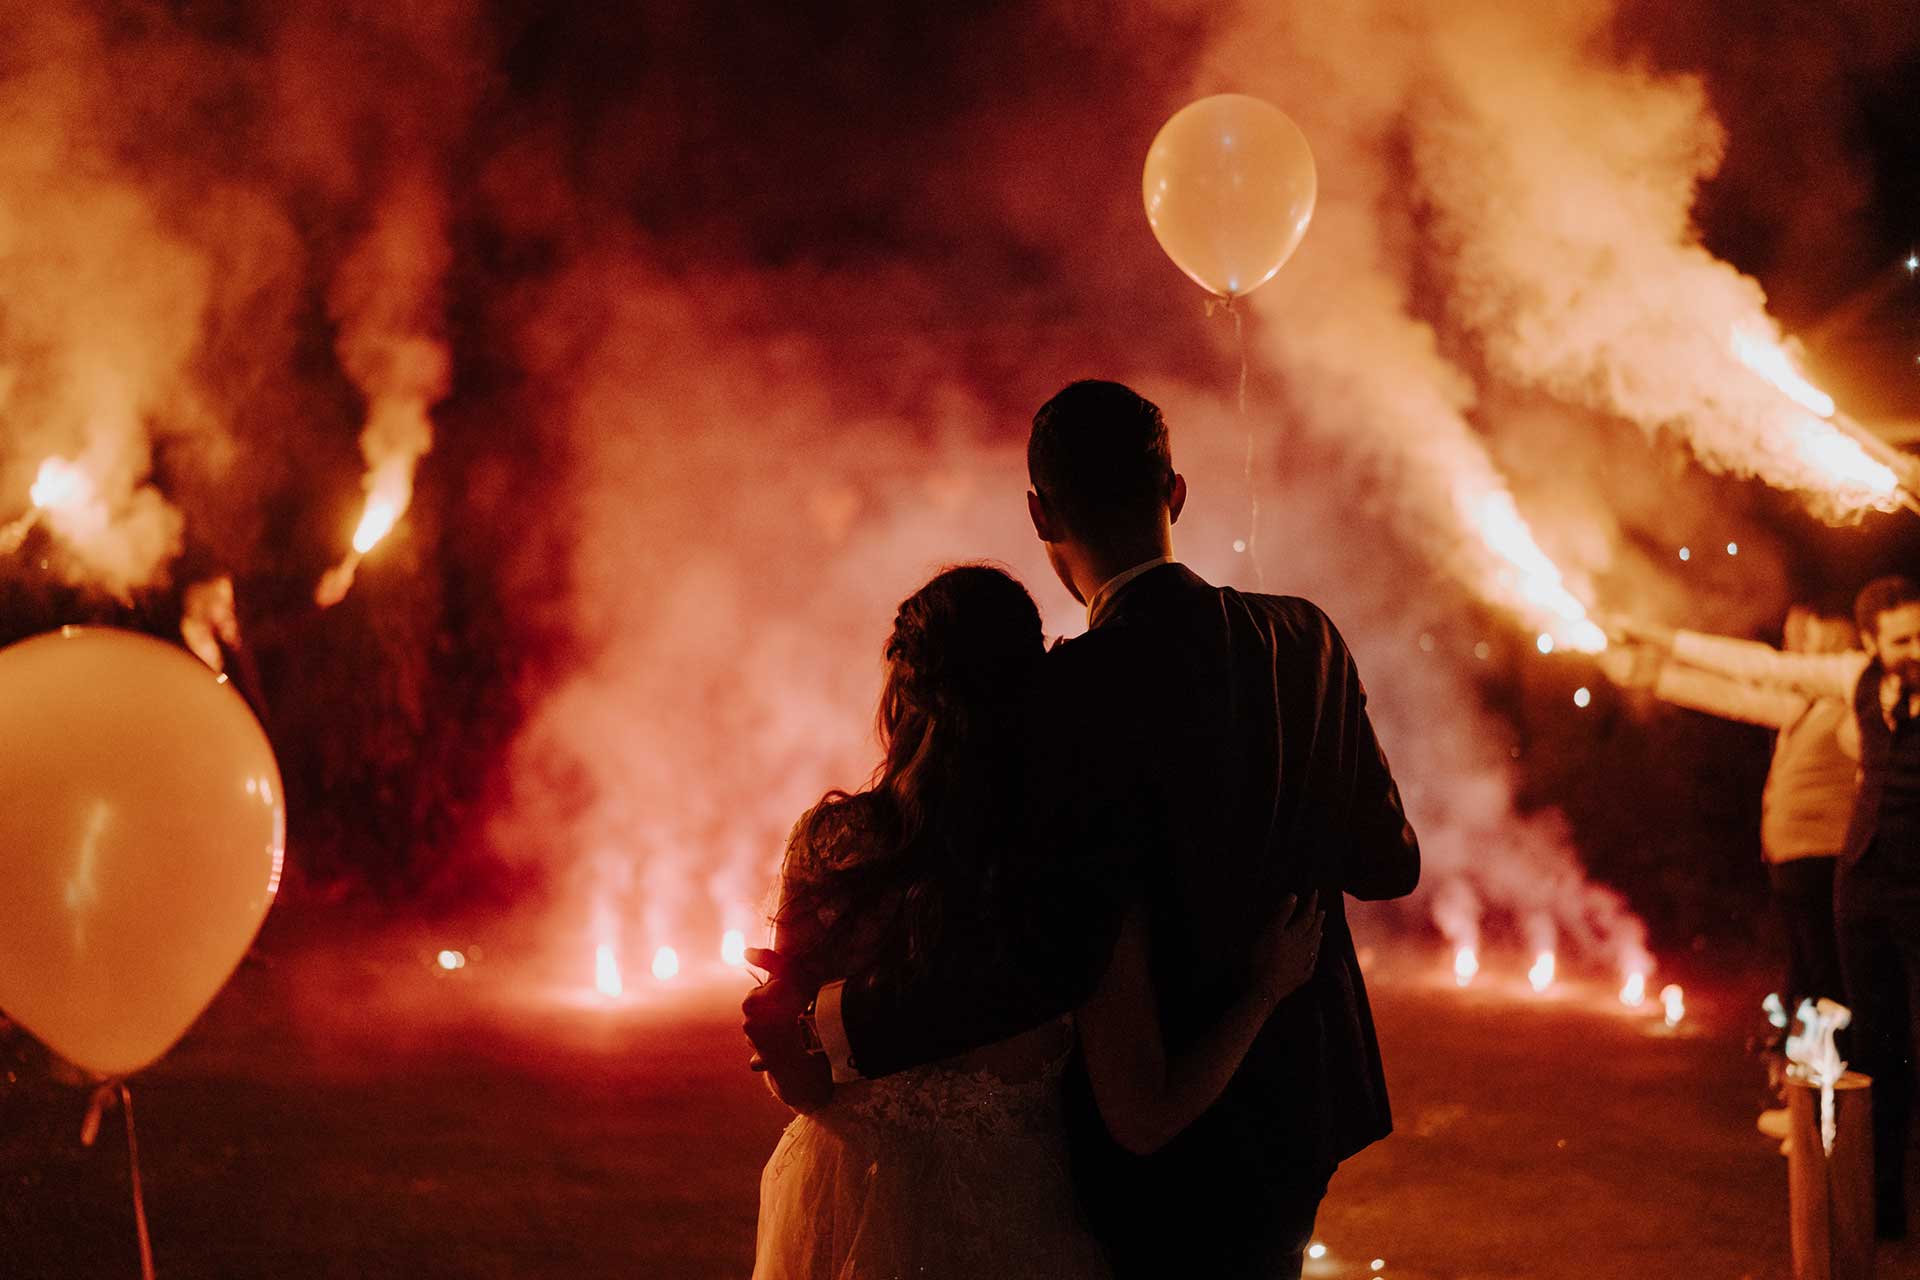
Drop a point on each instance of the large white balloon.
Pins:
(1229, 188)
(141, 836)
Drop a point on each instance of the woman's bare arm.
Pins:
(1145, 1098)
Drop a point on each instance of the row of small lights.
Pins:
(608, 980)
(1633, 992)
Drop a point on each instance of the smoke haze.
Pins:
(727, 344)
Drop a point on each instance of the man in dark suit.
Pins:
(1877, 888)
(1205, 753)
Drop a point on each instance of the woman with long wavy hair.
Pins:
(959, 1169)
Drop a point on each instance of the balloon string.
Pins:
(103, 1097)
(139, 1200)
(1253, 488)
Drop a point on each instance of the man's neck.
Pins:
(1102, 599)
(1100, 568)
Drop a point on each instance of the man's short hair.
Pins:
(1881, 596)
(1098, 454)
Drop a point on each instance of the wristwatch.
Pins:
(810, 1029)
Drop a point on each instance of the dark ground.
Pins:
(447, 1138)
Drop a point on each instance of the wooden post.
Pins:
(1831, 1197)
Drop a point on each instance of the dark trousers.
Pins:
(1803, 905)
(1274, 1249)
(1879, 933)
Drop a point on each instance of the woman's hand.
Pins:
(1285, 955)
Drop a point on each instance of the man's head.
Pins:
(1104, 490)
(1888, 613)
(1810, 631)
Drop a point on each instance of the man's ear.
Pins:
(1044, 523)
(1176, 499)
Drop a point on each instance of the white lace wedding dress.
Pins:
(956, 1171)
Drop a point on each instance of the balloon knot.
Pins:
(104, 1096)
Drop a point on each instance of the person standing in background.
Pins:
(1877, 881)
(1808, 800)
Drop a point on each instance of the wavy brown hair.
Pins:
(921, 846)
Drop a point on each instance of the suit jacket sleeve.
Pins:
(1383, 860)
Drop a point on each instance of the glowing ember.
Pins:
(1529, 576)
(606, 972)
(1378, 1264)
(666, 963)
(1686, 553)
(1733, 548)
(1316, 1250)
(1583, 697)
(733, 948)
(1541, 975)
(1771, 361)
(382, 513)
(60, 485)
(1544, 643)
(1633, 992)
(451, 960)
(1466, 963)
(1674, 1001)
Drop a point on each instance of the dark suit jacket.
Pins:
(1206, 752)
(1883, 835)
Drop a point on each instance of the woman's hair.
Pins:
(928, 832)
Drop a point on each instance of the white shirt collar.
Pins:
(1111, 587)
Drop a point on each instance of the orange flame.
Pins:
(606, 972)
(666, 963)
(1466, 963)
(1633, 992)
(1834, 453)
(61, 486)
(1530, 582)
(382, 513)
(1541, 975)
(1771, 361)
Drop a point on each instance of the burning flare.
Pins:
(1633, 992)
(1466, 963)
(606, 972)
(61, 486)
(1674, 1001)
(382, 513)
(1541, 975)
(1526, 579)
(1846, 463)
(666, 964)
(1772, 362)
(733, 948)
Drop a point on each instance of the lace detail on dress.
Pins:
(934, 1173)
(970, 1104)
